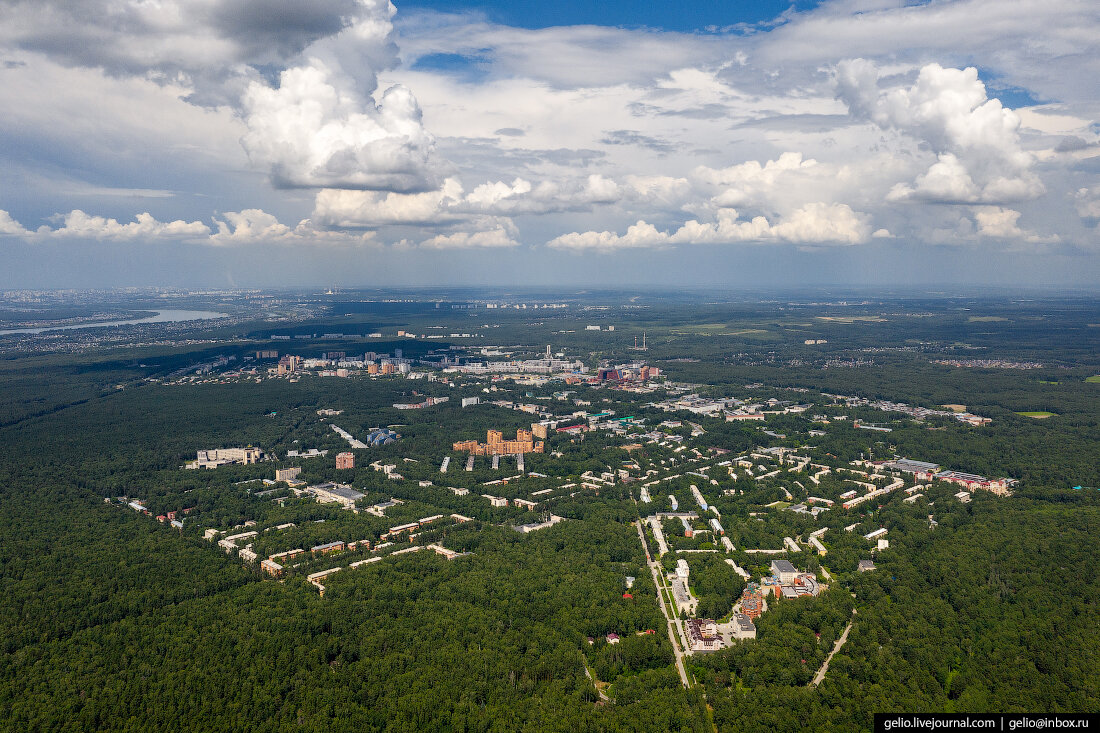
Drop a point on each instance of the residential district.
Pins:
(772, 513)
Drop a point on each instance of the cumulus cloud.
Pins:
(522, 197)
(247, 227)
(207, 46)
(10, 227)
(501, 235)
(450, 203)
(324, 124)
(750, 182)
(256, 226)
(77, 224)
(641, 234)
(1086, 201)
(1000, 223)
(313, 131)
(813, 224)
(976, 139)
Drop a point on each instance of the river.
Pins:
(167, 316)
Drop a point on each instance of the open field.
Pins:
(1039, 414)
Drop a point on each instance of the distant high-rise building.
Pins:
(345, 460)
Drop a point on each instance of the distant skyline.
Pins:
(747, 145)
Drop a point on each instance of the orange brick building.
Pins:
(345, 460)
(495, 444)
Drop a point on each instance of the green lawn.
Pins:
(1037, 413)
(1093, 379)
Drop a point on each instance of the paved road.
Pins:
(820, 676)
(655, 569)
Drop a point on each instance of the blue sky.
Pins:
(351, 142)
(673, 16)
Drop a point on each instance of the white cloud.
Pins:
(78, 224)
(247, 226)
(750, 183)
(315, 130)
(637, 235)
(343, 208)
(568, 57)
(813, 224)
(1046, 46)
(255, 226)
(744, 136)
(450, 203)
(995, 222)
(497, 237)
(980, 159)
(1087, 202)
(522, 197)
(10, 227)
(820, 223)
(208, 46)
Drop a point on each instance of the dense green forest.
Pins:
(110, 620)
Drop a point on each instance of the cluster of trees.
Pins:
(109, 620)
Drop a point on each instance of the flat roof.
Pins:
(784, 566)
(906, 463)
(344, 492)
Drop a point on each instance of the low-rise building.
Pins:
(336, 493)
(272, 568)
(703, 635)
(495, 444)
(743, 627)
(225, 456)
(328, 547)
(287, 474)
(784, 570)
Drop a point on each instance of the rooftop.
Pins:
(784, 566)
